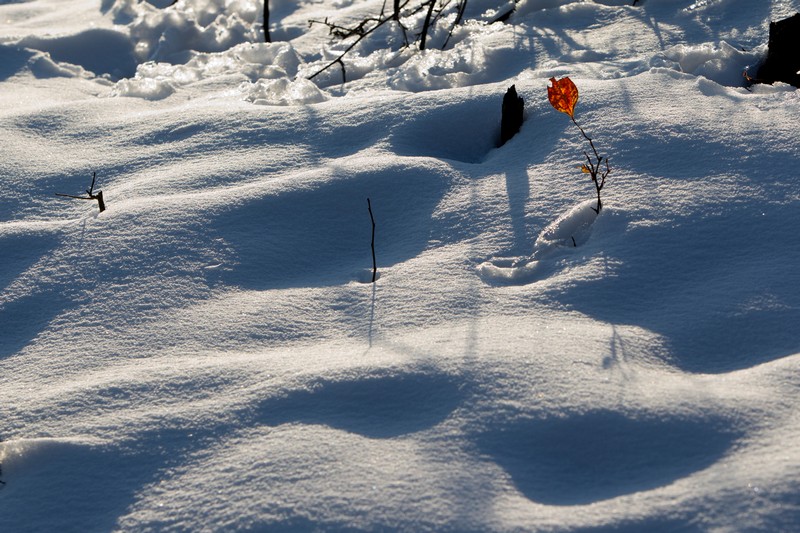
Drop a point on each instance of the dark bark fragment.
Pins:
(513, 108)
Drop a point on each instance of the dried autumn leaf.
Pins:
(585, 169)
(563, 95)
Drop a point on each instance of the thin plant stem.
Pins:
(374, 263)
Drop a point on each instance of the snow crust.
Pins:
(209, 353)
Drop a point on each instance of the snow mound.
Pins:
(265, 74)
(209, 353)
(170, 34)
(15, 60)
(721, 63)
(101, 51)
(283, 92)
(571, 230)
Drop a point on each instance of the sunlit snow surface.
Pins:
(209, 355)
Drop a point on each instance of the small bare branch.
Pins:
(426, 25)
(462, 6)
(374, 263)
(434, 12)
(91, 195)
(267, 38)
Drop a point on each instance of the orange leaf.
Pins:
(563, 95)
(585, 169)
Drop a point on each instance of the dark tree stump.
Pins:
(783, 55)
(100, 202)
(511, 122)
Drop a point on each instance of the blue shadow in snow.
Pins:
(655, 524)
(723, 291)
(79, 487)
(601, 455)
(98, 50)
(20, 251)
(376, 407)
(463, 131)
(23, 319)
(321, 235)
(12, 60)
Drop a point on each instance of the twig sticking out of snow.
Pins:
(563, 96)
(594, 169)
(434, 11)
(374, 263)
(362, 30)
(91, 195)
(267, 38)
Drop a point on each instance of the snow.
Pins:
(209, 353)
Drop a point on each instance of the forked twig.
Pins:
(594, 168)
(434, 12)
(91, 195)
(362, 30)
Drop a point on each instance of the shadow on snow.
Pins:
(601, 455)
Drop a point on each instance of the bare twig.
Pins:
(594, 167)
(267, 38)
(360, 31)
(434, 12)
(426, 25)
(91, 195)
(462, 6)
(374, 263)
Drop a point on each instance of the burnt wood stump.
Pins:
(783, 55)
(511, 121)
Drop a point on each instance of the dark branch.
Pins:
(360, 32)
(91, 195)
(594, 167)
(462, 6)
(267, 38)
(374, 263)
(369, 25)
(426, 25)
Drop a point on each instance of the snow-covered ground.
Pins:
(208, 354)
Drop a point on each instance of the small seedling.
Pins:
(374, 263)
(91, 195)
(563, 96)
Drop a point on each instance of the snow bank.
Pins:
(570, 230)
(101, 51)
(209, 352)
(265, 74)
(721, 63)
(192, 26)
